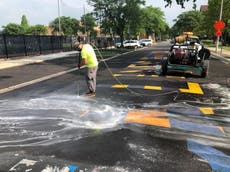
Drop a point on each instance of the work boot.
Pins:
(91, 94)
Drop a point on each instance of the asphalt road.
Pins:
(138, 121)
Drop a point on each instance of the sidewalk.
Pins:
(19, 61)
(220, 53)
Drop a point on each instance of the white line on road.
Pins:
(14, 87)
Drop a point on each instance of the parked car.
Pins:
(129, 43)
(146, 42)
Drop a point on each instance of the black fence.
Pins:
(25, 45)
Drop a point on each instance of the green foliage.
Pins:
(69, 26)
(180, 2)
(13, 29)
(37, 30)
(153, 20)
(213, 14)
(191, 21)
(88, 22)
(117, 15)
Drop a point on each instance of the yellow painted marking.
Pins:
(206, 110)
(130, 71)
(132, 65)
(193, 88)
(149, 87)
(148, 117)
(120, 86)
(155, 76)
(116, 75)
(221, 128)
(181, 77)
(140, 75)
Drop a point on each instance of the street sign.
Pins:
(219, 25)
(218, 33)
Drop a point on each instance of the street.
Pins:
(138, 121)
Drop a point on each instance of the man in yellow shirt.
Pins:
(88, 58)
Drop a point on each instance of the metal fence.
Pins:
(25, 45)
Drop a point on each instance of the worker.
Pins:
(88, 58)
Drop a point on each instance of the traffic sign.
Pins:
(218, 33)
(219, 25)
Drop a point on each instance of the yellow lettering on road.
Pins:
(206, 110)
(120, 86)
(193, 88)
(149, 87)
(140, 75)
(148, 117)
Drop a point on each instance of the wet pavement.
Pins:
(138, 121)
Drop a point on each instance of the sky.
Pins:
(44, 11)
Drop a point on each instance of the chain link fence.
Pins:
(25, 45)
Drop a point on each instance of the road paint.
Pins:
(216, 159)
(26, 162)
(72, 168)
(120, 86)
(131, 66)
(176, 77)
(221, 128)
(149, 87)
(206, 110)
(193, 88)
(148, 117)
(14, 87)
(155, 76)
(195, 127)
(140, 75)
(116, 75)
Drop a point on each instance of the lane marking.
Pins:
(148, 117)
(130, 71)
(180, 77)
(193, 88)
(148, 87)
(140, 75)
(120, 86)
(206, 110)
(14, 87)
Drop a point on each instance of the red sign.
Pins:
(218, 33)
(219, 25)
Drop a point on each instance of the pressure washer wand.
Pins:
(78, 84)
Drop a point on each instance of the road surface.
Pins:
(138, 121)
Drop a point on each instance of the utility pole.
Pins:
(59, 20)
(218, 37)
(85, 25)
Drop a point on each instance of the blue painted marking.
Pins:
(218, 160)
(201, 128)
(184, 111)
(72, 168)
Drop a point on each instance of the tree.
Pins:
(191, 21)
(117, 14)
(13, 29)
(88, 24)
(37, 30)
(24, 24)
(213, 14)
(69, 26)
(179, 2)
(153, 21)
